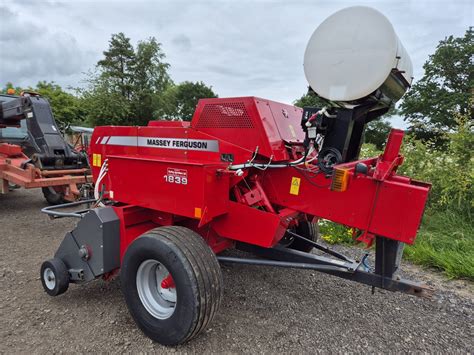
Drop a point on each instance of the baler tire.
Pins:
(57, 270)
(53, 197)
(308, 230)
(196, 274)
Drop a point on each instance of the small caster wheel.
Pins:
(54, 277)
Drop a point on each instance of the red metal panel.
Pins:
(123, 143)
(10, 150)
(250, 225)
(394, 212)
(134, 221)
(270, 131)
(153, 184)
(177, 124)
(165, 132)
(351, 207)
(222, 118)
(398, 211)
(286, 120)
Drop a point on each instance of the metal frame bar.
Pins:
(321, 247)
(54, 213)
(280, 256)
(246, 261)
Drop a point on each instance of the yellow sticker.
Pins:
(197, 212)
(292, 130)
(96, 160)
(295, 186)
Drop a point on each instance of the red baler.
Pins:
(246, 173)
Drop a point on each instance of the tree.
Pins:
(9, 86)
(377, 131)
(150, 80)
(126, 86)
(117, 66)
(65, 106)
(310, 99)
(104, 106)
(444, 90)
(180, 101)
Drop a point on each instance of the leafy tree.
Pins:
(103, 105)
(9, 86)
(376, 132)
(117, 66)
(310, 99)
(444, 90)
(150, 80)
(126, 87)
(180, 100)
(65, 106)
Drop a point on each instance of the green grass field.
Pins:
(445, 241)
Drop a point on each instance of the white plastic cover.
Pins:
(351, 54)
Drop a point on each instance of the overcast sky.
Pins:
(240, 48)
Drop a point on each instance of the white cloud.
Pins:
(240, 48)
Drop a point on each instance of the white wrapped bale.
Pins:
(355, 53)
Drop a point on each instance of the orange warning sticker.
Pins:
(197, 212)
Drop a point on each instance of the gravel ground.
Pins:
(264, 309)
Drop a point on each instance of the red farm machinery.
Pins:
(245, 173)
(33, 153)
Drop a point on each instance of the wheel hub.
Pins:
(156, 289)
(49, 278)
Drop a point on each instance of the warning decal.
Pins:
(295, 186)
(96, 160)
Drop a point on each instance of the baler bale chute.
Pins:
(251, 174)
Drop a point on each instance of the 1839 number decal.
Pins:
(176, 176)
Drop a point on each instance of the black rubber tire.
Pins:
(61, 276)
(196, 274)
(53, 197)
(308, 230)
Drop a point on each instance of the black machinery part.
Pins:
(43, 142)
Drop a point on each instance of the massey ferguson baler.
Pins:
(251, 174)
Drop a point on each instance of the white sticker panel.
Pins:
(205, 145)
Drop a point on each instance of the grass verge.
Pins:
(445, 242)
